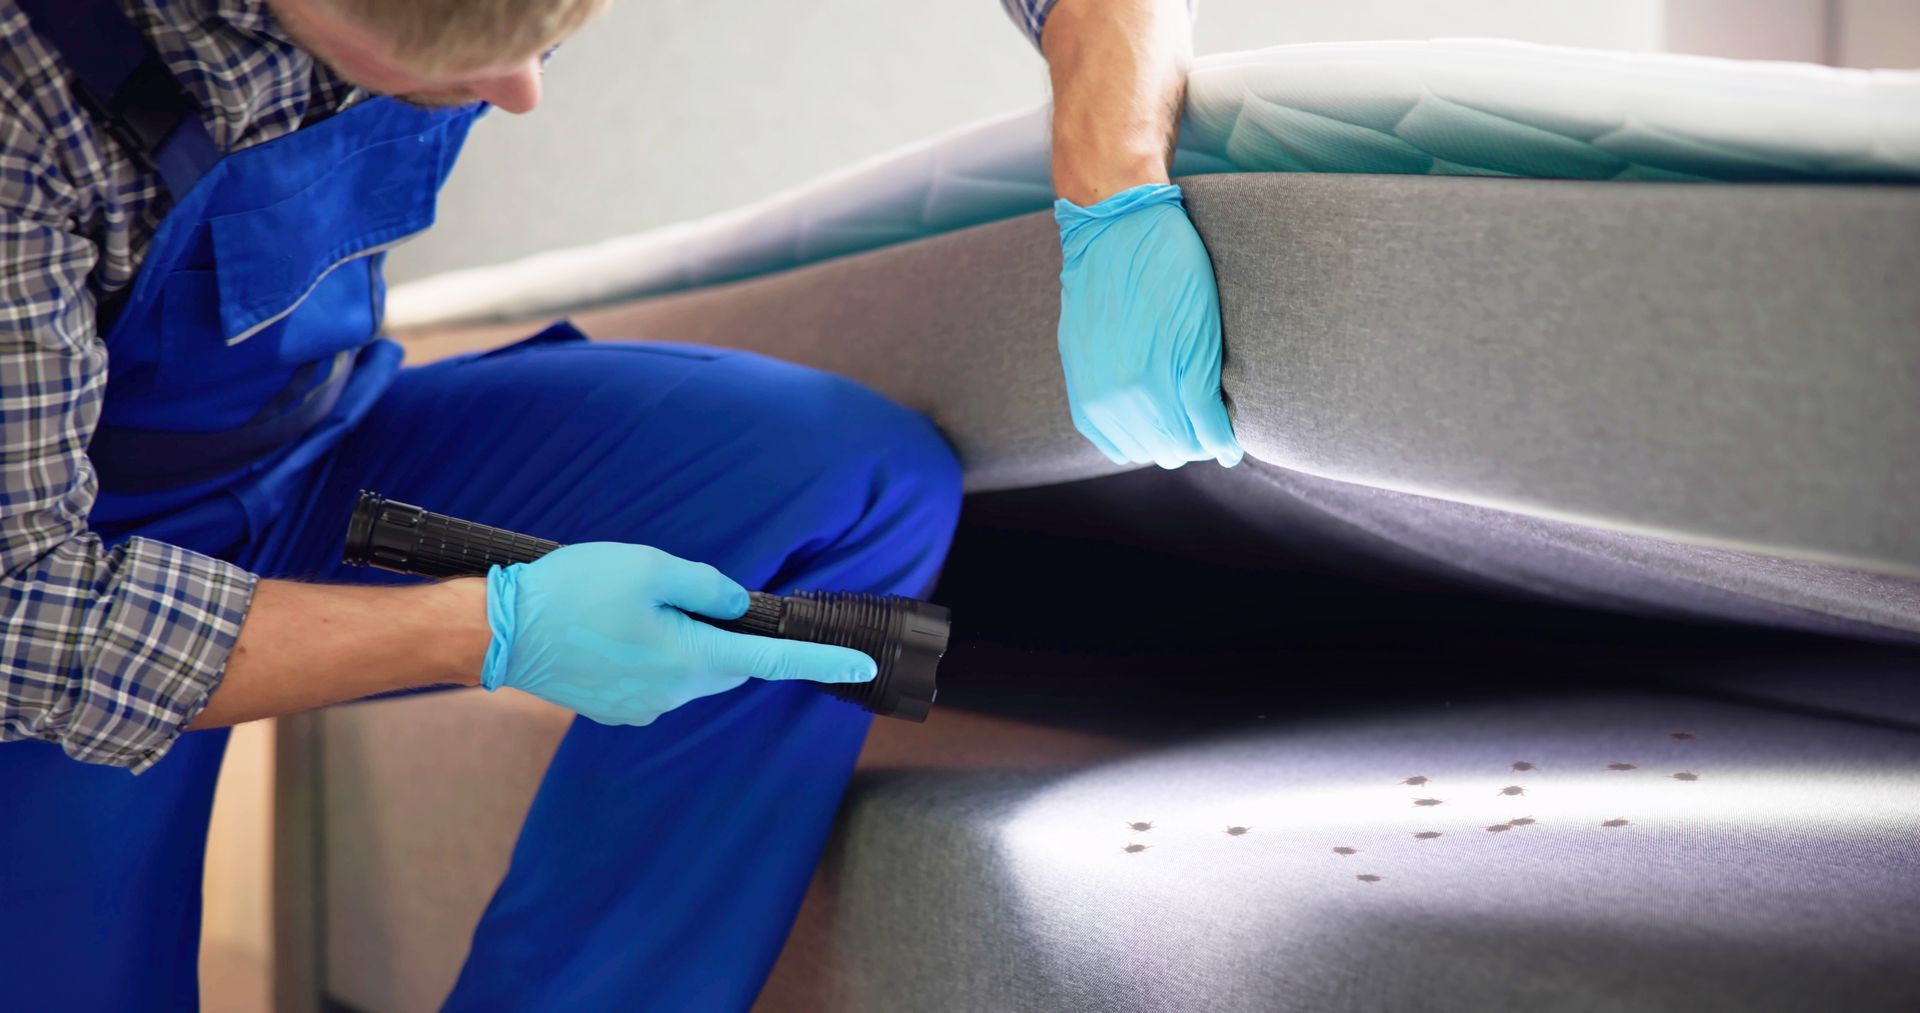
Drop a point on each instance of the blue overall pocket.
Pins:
(291, 292)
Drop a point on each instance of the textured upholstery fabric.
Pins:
(979, 864)
(421, 798)
(1784, 877)
(1731, 366)
(1615, 570)
(414, 840)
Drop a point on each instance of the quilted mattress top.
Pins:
(1450, 107)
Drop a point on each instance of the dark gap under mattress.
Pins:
(1134, 605)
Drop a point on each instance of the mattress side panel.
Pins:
(1732, 365)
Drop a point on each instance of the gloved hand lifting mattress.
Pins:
(1649, 394)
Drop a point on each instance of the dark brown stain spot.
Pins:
(1512, 789)
(1427, 801)
(1368, 877)
(1343, 850)
(1524, 821)
(1685, 775)
(1498, 828)
(1238, 831)
(1681, 736)
(1426, 835)
(1416, 780)
(1143, 827)
(1134, 849)
(1621, 766)
(1615, 823)
(1523, 766)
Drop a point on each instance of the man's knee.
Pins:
(901, 448)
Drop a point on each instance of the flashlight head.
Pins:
(905, 638)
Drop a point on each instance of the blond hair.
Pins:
(438, 36)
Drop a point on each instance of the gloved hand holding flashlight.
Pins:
(1140, 330)
(602, 629)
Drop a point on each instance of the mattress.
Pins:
(1692, 397)
(981, 864)
(1451, 107)
(1664, 394)
(1652, 852)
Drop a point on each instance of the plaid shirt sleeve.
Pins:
(109, 653)
(1031, 15)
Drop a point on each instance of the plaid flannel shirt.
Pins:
(1030, 15)
(112, 652)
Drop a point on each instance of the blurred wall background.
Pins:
(672, 109)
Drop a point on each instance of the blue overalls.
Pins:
(250, 397)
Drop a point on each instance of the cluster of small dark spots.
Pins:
(1520, 766)
(1368, 877)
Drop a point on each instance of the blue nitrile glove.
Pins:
(1140, 330)
(601, 629)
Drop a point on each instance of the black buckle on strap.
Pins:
(144, 111)
(151, 103)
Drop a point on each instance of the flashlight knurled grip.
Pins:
(906, 638)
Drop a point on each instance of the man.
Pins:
(199, 191)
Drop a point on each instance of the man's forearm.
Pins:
(1119, 71)
(309, 645)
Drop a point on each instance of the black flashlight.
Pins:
(904, 637)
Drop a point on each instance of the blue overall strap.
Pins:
(127, 87)
(149, 460)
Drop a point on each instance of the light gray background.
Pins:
(666, 110)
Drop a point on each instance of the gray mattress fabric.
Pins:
(1735, 366)
(1669, 396)
(1615, 570)
(1603, 853)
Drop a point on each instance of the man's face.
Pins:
(367, 60)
